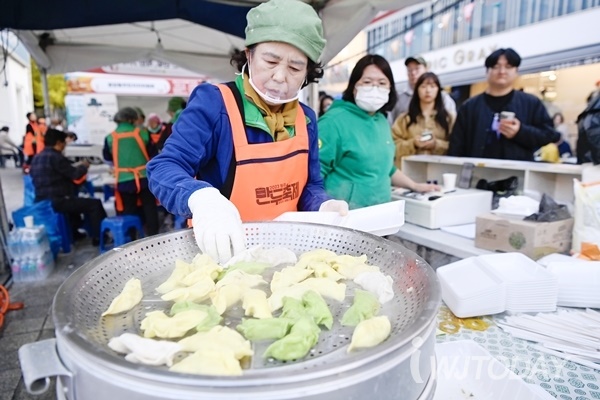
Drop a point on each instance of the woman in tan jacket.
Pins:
(426, 127)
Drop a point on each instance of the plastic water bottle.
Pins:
(14, 244)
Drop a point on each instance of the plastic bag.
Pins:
(502, 188)
(43, 214)
(549, 211)
(587, 214)
(29, 191)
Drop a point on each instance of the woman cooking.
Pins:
(247, 150)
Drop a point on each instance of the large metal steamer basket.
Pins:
(399, 368)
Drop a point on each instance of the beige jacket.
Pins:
(404, 137)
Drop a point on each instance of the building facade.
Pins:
(16, 93)
(559, 41)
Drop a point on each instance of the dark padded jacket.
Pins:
(472, 130)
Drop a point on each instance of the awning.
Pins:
(71, 35)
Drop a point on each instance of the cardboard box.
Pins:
(534, 239)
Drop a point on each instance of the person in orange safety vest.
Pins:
(29, 139)
(129, 148)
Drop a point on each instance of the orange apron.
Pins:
(269, 177)
(155, 137)
(39, 138)
(135, 170)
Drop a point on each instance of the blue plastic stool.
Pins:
(119, 226)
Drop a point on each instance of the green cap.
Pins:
(288, 21)
(175, 103)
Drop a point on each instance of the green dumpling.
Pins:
(302, 337)
(263, 329)
(316, 307)
(249, 267)
(212, 316)
(365, 306)
(292, 309)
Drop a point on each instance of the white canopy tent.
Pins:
(189, 45)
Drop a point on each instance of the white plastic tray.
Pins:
(382, 219)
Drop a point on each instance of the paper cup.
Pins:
(449, 181)
(28, 221)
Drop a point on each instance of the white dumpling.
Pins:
(350, 266)
(158, 324)
(219, 337)
(241, 278)
(220, 362)
(289, 276)
(325, 287)
(255, 304)
(182, 269)
(377, 283)
(129, 297)
(324, 270)
(145, 351)
(315, 255)
(226, 296)
(198, 292)
(370, 333)
(274, 256)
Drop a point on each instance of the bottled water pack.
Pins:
(31, 257)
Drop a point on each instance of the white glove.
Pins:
(217, 224)
(339, 206)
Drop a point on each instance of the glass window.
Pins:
(501, 16)
(561, 5)
(545, 9)
(524, 13)
(487, 19)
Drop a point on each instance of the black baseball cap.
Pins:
(416, 59)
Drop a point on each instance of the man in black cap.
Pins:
(415, 67)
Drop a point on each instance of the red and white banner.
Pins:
(125, 85)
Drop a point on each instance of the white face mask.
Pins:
(371, 98)
(266, 97)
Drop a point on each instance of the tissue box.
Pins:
(534, 239)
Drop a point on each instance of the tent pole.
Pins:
(44, 74)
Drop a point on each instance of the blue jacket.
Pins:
(201, 146)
